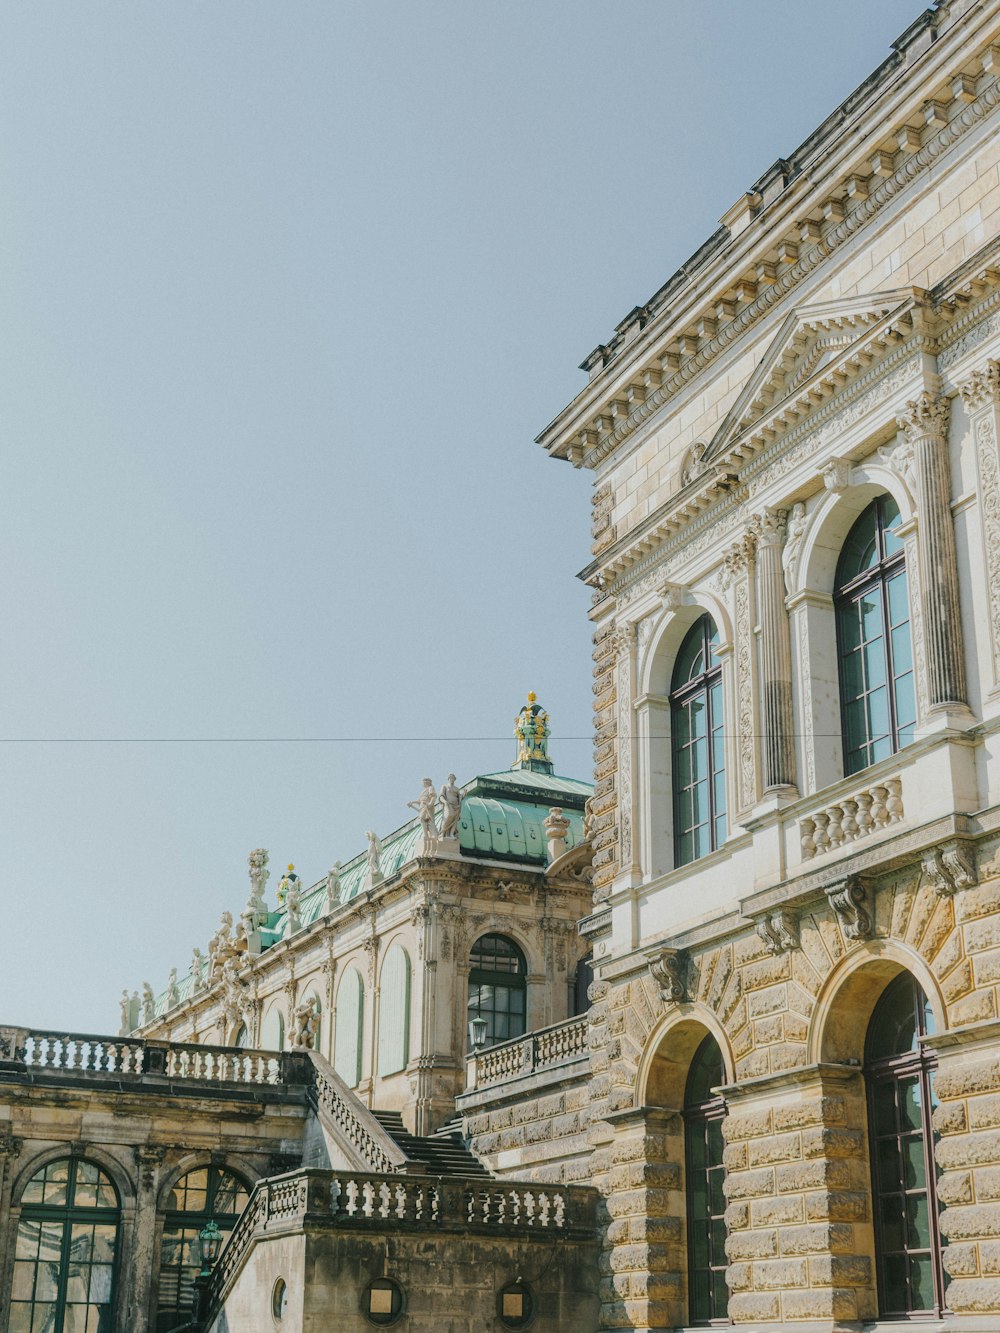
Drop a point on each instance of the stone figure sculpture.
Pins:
(198, 965)
(255, 912)
(173, 994)
(333, 886)
(126, 1013)
(293, 906)
(148, 1003)
(426, 808)
(451, 804)
(374, 854)
(288, 879)
(793, 542)
(303, 1024)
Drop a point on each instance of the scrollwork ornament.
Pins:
(849, 899)
(949, 868)
(779, 931)
(669, 970)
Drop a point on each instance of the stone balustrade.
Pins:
(355, 1123)
(852, 817)
(77, 1054)
(374, 1201)
(536, 1050)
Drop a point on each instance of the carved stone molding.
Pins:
(850, 901)
(982, 387)
(779, 930)
(10, 1145)
(950, 867)
(669, 970)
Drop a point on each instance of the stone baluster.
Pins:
(925, 423)
(821, 835)
(778, 743)
(894, 799)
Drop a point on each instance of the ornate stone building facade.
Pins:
(793, 1094)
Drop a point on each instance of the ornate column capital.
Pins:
(926, 415)
(982, 387)
(770, 526)
(624, 637)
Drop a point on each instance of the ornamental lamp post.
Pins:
(477, 1033)
(210, 1243)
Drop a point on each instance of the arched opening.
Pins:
(206, 1194)
(347, 1047)
(698, 756)
(394, 1012)
(241, 1037)
(66, 1251)
(498, 988)
(899, 1086)
(582, 978)
(704, 1112)
(272, 1032)
(874, 649)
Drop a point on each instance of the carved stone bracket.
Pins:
(148, 1158)
(850, 901)
(669, 970)
(779, 930)
(950, 867)
(10, 1145)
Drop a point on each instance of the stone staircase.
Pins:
(443, 1153)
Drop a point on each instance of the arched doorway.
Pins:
(206, 1194)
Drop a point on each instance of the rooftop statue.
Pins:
(451, 803)
(532, 731)
(426, 808)
(288, 879)
(374, 855)
(126, 1008)
(173, 994)
(148, 1003)
(255, 912)
(199, 963)
(293, 905)
(333, 887)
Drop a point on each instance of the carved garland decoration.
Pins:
(982, 391)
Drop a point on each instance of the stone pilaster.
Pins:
(149, 1159)
(800, 1242)
(981, 393)
(777, 730)
(625, 642)
(643, 1284)
(925, 423)
(737, 571)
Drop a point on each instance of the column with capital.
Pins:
(775, 659)
(925, 423)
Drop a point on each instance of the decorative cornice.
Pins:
(838, 231)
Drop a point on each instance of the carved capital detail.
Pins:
(950, 867)
(148, 1158)
(770, 525)
(982, 387)
(669, 970)
(849, 899)
(926, 415)
(779, 930)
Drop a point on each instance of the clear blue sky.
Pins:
(286, 291)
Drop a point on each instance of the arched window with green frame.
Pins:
(875, 652)
(66, 1252)
(704, 1112)
(698, 747)
(206, 1194)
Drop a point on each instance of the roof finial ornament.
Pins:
(532, 732)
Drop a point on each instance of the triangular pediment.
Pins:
(816, 345)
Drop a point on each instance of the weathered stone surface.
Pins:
(968, 1078)
(969, 1149)
(956, 1187)
(750, 1307)
(974, 1295)
(752, 1245)
(840, 1270)
(817, 1238)
(968, 1223)
(951, 1118)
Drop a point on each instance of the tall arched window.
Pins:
(66, 1253)
(394, 1012)
(698, 744)
(272, 1030)
(350, 1024)
(899, 1080)
(704, 1112)
(497, 987)
(207, 1194)
(877, 697)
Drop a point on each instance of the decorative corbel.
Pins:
(669, 970)
(148, 1158)
(950, 867)
(837, 475)
(779, 930)
(849, 899)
